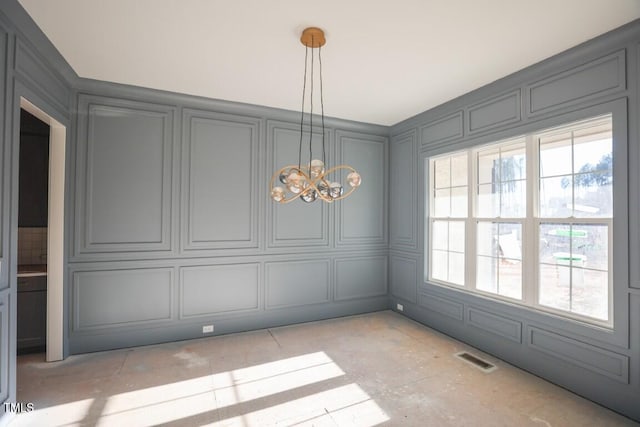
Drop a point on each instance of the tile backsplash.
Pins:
(32, 245)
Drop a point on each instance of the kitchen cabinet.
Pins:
(32, 313)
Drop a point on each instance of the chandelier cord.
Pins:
(324, 160)
(311, 110)
(304, 89)
(312, 181)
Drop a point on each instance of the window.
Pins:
(450, 195)
(528, 220)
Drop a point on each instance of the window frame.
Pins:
(530, 224)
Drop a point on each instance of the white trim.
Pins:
(530, 224)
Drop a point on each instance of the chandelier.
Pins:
(311, 181)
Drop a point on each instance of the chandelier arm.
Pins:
(336, 168)
(277, 174)
(345, 195)
(324, 154)
(304, 89)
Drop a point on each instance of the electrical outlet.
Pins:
(400, 307)
(207, 329)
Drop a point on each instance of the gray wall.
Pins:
(174, 229)
(169, 226)
(151, 177)
(600, 76)
(31, 68)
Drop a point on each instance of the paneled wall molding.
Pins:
(296, 224)
(142, 94)
(362, 218)
(502, 326)
(6, 347)
(442, 130)
(586, 52)
(617, 340)
(221, 181)
(499, 111)
(403, 277)
(403, 206)
(360, 277)
(98, 303)
(6, 134)
(444, 306)
(298, 283)
(594, 359)
(634, 172)
(219, 290)
(605, 76)
(591, 370)
(40, 76)
(125, 176)
(137, 274)
(17, 21)
(192, 328)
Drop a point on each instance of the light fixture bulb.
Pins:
(277, 194)
(335, 190)
(354, 179)
(323, 189)
(284, 177)
(309, 196)
(317, 168)
(295, 182)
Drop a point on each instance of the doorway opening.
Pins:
(33, 216)
(40, 232)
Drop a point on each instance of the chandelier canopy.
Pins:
(311, 181)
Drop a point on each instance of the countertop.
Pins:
(31, 270)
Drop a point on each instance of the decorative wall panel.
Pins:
(361, 277)
(124, 176)
(444, 306)
(220, 180)
(117, 298)
(297, 283)
(594, 359)
(296, 223)
(362, 216)
(597, 78)
(4, 210)
(442, 130)
(498, 325)
(499, 111)
(403, 274)
(218, 289)
(403, 209)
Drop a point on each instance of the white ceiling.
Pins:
(384, 61)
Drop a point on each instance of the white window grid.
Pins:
(530, 226)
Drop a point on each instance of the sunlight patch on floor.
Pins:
(181, 400)
(347, 405)
(66, 414)
(261, 381)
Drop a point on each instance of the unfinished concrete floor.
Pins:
(367, 370)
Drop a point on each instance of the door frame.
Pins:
(55, 230)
